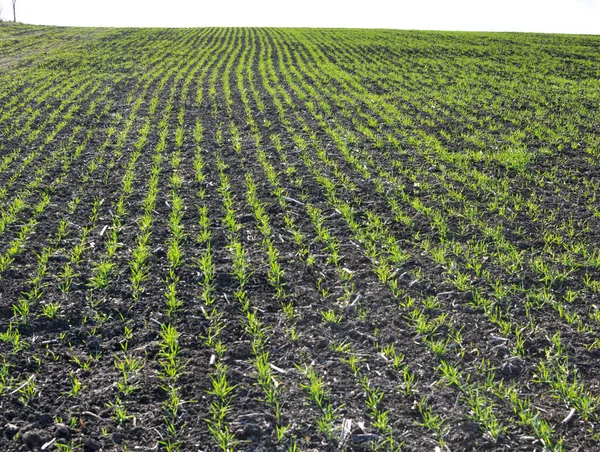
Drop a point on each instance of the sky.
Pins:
(548, 16)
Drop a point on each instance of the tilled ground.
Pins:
(429, 200)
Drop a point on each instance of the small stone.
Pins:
(45, 420)
(60, 258)
(512, 366)
(117, 438)
(91, 445)
(30, 426)
(251, 431)
(321, 344)
(93, 344)
(365, 437)
(32, 440)
(62, 431)
(10, 430)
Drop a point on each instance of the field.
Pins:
(298, 239)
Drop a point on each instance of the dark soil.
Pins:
(95, 329)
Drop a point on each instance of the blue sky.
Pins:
(557, 16)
